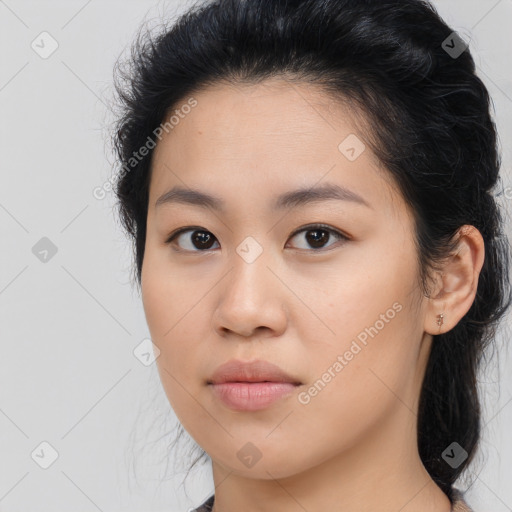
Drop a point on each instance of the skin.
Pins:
(353, 446)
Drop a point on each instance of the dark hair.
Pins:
(427, 120)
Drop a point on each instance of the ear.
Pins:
(456, 285)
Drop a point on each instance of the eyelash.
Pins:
(311, 227)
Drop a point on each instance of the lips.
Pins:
(254, 371)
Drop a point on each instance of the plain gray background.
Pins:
(70, 324)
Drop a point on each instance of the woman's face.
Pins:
(343, 315)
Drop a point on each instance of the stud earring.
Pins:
(440, 319)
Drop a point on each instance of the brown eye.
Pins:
(318, 236)
(200, 240)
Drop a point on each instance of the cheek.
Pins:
(164, 294)
(353, 385)
(371, 345)
(165, 311)
(170, 328)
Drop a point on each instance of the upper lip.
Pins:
(253, 371)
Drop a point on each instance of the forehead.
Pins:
(276, 110)
(264, 138)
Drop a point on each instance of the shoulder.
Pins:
(206, 506)
(458, 503)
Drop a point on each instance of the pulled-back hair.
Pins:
(428, 122)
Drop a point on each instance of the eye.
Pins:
(201, 239)
(317, 235)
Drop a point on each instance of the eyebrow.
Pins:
(292, 199)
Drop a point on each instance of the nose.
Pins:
(252, 300)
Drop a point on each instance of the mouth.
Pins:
(251, 386)
(251, 396)
(251, 372)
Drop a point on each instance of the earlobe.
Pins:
(457, 283)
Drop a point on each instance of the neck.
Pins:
(382, 471)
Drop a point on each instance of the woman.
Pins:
(309, 188)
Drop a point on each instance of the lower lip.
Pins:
(251, 396)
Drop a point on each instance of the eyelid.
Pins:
(319, 226)
(179, 231)
(306, 227)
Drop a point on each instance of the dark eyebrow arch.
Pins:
(292, 199)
